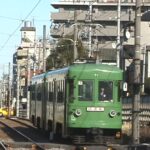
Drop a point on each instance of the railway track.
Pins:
(20, 133)
(16, 133)
(3, 146)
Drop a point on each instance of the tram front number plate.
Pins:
(95, 109)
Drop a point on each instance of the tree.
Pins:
(63, 54)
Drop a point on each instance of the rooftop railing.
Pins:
(105, 1)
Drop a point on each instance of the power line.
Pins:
(16, 19)
(10, 18)
(19, 25)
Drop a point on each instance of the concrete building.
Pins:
(27, 61)
(97, 26)
(24, 65)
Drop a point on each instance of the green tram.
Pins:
(81, 101)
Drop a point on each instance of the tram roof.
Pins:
(80, 67)
(97, 67)
(39, 76)
(58, 71)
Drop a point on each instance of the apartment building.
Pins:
(96, 22)
(28, 61)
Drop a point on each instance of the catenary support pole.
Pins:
(137, 76)
(90, 30)
(44, 48)
(118, 33)
(75, 35)
(18, 90)
(28, 84)
(9, 90)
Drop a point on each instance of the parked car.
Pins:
(4, 112)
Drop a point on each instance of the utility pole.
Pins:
(4, 84)
(8, 96)
(144, 66)
(39, 58)
(44, 48)
(28, 84)
(18, 89)
(137, 75)
(118, 33)
(75, 35)
(90, 29)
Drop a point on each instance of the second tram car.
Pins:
(81, 101)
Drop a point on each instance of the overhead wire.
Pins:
(19, 25)
(10, 18)
(110, 38)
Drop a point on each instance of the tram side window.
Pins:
(50, 96)
(85, 90)
(33, 92)
(39, 93)
(39, 96)
(33, 96)
(105, 90)
(51, 91)
(60, 96)
(60, 91)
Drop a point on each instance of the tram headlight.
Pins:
(78, 112)
(109, 148)
(113, 113)
(118, 135)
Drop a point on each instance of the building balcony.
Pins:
(62, 16)
(96, 16)
(22, 53)
(112, 16)
(22, 82)
(61, 31)
(27, 44)
(23, 72)
(69, 16)
(99, 1)
(22, 62)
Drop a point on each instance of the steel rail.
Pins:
(23, 135)
(3, 146)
